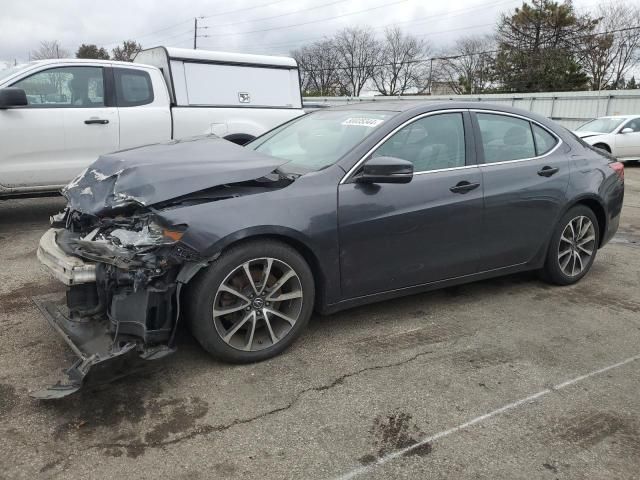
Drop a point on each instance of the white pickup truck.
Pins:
(57, 116)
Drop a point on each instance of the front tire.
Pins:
(251, 303)
(573, 246)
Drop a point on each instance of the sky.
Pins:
(250, 26)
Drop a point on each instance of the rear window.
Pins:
(544, 140)
(133, 87)
(505, 138)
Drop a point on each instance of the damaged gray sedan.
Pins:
(338, 208)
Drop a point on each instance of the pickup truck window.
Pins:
(80, 87)
(133, 87)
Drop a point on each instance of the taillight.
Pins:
(618, 167)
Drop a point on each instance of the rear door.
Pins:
(399, 235)
(628, 144)
(525, 176)
(65, 126)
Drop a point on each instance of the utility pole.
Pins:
(195, 33)
(430, 73)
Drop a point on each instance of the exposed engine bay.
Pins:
(124, 263)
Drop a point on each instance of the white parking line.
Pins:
(398, 453)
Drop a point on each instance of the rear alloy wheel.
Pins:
(577, 246)
(252, 302)
(573, 246)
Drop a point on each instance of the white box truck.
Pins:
(57, 116)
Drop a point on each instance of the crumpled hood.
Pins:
(156, 173)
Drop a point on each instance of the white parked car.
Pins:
(619, 135)
(58, 116)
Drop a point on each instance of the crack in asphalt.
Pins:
(208, 429)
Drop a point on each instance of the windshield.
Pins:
(319, 139)
(601, 125)
(10, 71)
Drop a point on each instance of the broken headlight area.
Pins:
(126, 309)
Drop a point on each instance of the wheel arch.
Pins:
(600, 144)
(289, 237)
(597, 207)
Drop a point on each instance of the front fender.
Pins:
(258, 231)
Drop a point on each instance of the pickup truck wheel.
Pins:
(573, 247)
(251, 303)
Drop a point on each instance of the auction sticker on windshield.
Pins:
(363, 122)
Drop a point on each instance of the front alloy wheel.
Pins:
(252, 302)
(258, 304)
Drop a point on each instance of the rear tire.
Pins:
(265, 315)
(573, 247)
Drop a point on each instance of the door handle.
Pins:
(547, 171)
(96, 121)
(464, 187)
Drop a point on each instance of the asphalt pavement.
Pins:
(502, 379)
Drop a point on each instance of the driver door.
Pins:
(628, 144)
(394, 236)
(65, 126)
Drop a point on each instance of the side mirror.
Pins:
(386, 170)
(627, 130)
(12, 97)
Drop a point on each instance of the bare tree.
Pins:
(358, 51)
(318, 64)
(626, 43)
(49, 49)
(127, 51)
(401, 64)
(614, 49)
(467, 68)
(598, 60)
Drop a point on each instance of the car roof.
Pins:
(417, 107)
(387, 106)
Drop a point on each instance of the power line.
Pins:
(439, 32)
(243, 9)
(312, 21)
(452, 13)
(152, 33)
(304, 10)
(174, 25)
(453, 57)
(186, 32)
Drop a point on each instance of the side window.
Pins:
(505, 138)
(431, 143)
(544, 140)
(633, 124)
(64, 87)
(133, 87)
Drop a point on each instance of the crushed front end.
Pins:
(122, 274)
(124, 262)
